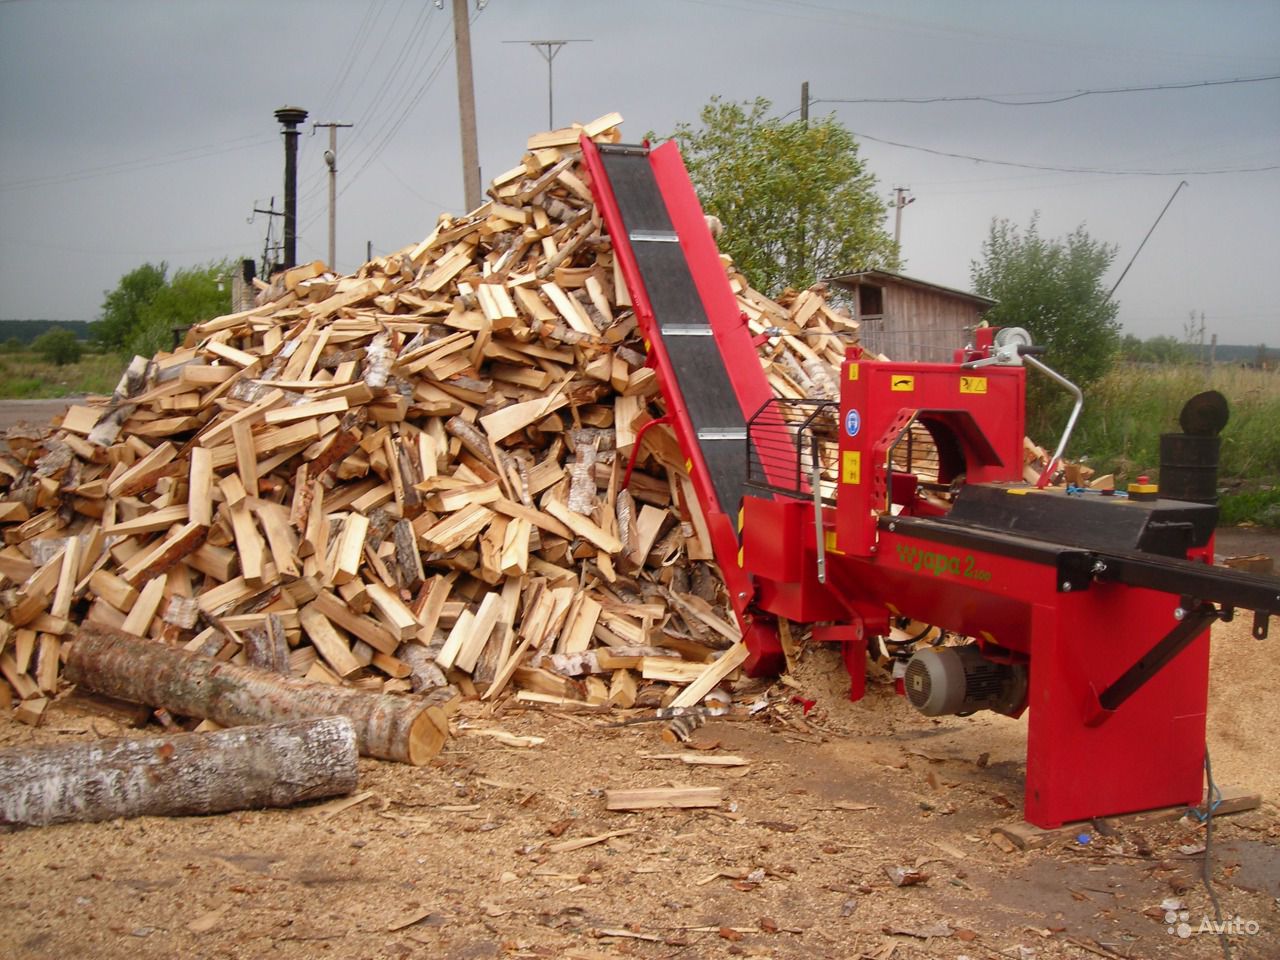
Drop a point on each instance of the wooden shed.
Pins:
(909, 319)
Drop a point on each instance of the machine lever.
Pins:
(1187, 629)
(1062, 381)
(815, 481)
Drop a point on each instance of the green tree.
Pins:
(122, 307)
(58, 346)
(1160, 349)
(139, 315)
(796, 200)
(190, 296)
(1053, 288)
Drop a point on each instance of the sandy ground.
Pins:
(458, 859)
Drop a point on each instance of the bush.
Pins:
(59, 347)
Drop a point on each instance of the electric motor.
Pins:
(960, 680)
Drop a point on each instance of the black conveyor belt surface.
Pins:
(699, 368)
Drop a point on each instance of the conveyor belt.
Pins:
(696, 362)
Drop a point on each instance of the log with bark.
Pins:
(273, 765)
(107, 661)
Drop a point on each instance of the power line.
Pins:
(1002, 101)
(141, 163)
(379, 111)
(1055, 169)
(374, 150)
(353, 54)
(1163, 211)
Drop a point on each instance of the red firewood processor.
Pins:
(1088, 611)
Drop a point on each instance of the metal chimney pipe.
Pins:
(290, 117)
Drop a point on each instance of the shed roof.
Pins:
(889, 277)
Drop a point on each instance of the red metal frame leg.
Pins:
(1146, 754)
(853, 640)
(764, 650)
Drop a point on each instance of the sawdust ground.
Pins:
(452, 860)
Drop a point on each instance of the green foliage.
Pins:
(139, 315)
(58, 347)
(1053, 288)
(24, 332)
(1261, 506)
(1163, 349)
(1126, 411)
(796, 201)
(29, 376)
(122, 307)
(12, 345)
(190, 296)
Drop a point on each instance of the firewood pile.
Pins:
(405, 480)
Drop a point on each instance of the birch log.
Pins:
(119, 665)
(275, 765)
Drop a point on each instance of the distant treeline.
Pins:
(1172, 350)
(25, 331)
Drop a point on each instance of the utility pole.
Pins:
(804, 103)
(548, 49)
(899, 201)
(269, 249)
(466, 104)
(331, 161)
(289, 118)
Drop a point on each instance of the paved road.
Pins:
(31, 412)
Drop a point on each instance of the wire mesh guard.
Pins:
(787, 440)
(914, 345)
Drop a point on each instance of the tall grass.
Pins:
(25, 376)
(1125, 413)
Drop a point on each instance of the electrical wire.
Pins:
(1055, 169)
(141, 163)
(353, 54)
(381, 112)
(1206, 864)
(376, 150)
(1001, 101)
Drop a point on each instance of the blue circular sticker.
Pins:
(852, 423)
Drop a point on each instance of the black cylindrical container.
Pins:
(1189, 467)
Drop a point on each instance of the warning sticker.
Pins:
(973, 384)
(901, 383)
(851, 467)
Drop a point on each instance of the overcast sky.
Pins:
(143, 130)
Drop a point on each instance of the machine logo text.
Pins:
(942, 564)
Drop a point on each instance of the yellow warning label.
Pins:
(901, 383)
(851, 467)
(829, 542)
(853, 371)
(973, 384)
